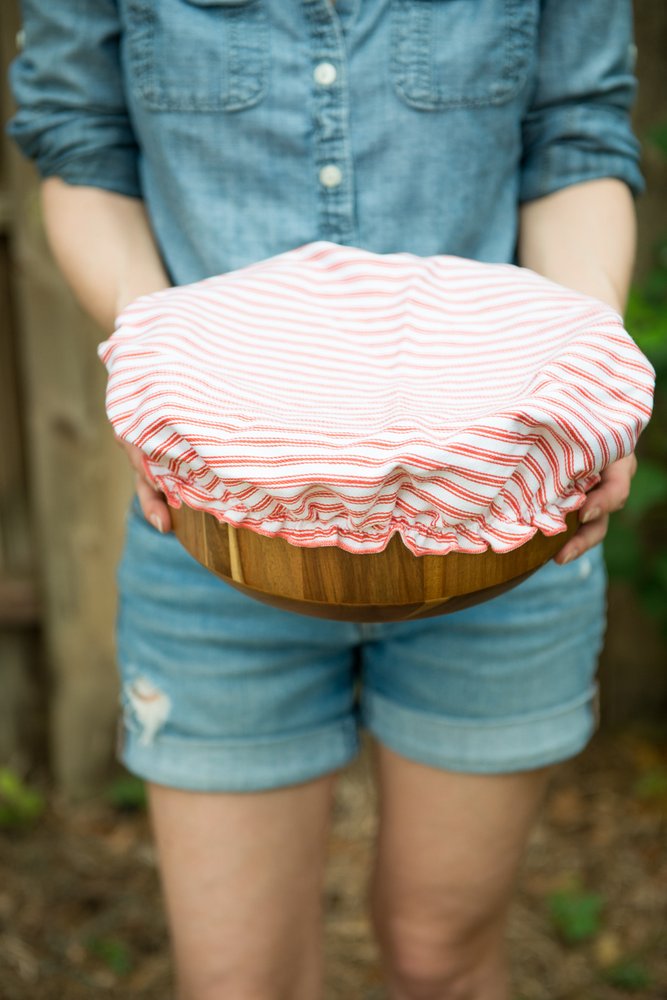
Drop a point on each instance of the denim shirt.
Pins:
(253, 126)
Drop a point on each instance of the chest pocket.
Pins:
(461, 53)
(198, 55)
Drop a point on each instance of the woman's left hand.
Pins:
(609, 495)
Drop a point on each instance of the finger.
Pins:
(585, 537)
(134, 454)
(154, 509)
(612, 492)
(136, 457)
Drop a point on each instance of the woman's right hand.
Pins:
(153, 504)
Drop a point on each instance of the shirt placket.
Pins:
(333, 156)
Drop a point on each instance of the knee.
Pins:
(426, 964)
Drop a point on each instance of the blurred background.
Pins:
(80, 913)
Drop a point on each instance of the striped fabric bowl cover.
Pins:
(333, 396)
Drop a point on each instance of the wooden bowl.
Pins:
(328, 582)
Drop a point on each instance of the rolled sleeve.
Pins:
(71, 116)
(578, 125)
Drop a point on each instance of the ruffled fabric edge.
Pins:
(474, 535)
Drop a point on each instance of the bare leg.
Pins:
(241, 877)
(448, 853)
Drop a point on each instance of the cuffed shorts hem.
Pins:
(238, 765)
(478, 746)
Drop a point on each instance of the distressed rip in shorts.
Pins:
(222, 693)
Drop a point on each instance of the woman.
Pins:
(182, 138)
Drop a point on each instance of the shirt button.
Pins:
(331, 175)
(325, 74)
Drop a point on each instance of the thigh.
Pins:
(449, 848)
(242, 876)
(505, 686)
(218, 691)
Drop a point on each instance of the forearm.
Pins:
(584, 237)
(103, 245)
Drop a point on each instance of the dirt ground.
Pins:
(81, 914)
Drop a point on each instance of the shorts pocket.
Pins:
(198, 55)
(461, 53)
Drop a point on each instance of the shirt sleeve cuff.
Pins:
(568, 145)
(111, 169)
(92, 149)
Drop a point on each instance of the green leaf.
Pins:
(646, 317)
(576, 915)
(628, 974)
(127, 793)
(652, 784)
(113, 952)
(657, 136)
(649, 488)
(20, 806)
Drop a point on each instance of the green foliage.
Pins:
(652, 784)
(628, 974)
(649, 488)
(575, 914)
(636, 545)
(113, 952)
(658, 137)
(128, 794)
(20, 806)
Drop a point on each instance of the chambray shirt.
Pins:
(253, 126)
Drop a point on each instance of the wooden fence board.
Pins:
(81, 486)
(21, 708)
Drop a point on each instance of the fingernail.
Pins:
(155, 521)
(590, 515)
(570, 556)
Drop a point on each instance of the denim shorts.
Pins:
(222, 693)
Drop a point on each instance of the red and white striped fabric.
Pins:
(334, 396)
